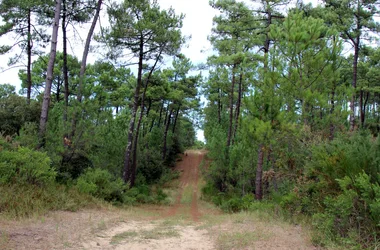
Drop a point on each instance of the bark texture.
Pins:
(49, 76)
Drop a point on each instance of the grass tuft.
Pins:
(123, 236)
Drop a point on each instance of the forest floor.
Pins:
(187, 223)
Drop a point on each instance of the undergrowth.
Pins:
(22, 201)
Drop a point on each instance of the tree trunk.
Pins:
(164, 148)
(149, 107)
(332, 125)
(238, 104)
(127, 173)
(86, 50)
(259, 174)
(160, 117)
(166, 115)
(136, 139)
(176, 118)
(219, 106)
(232, 92)
(152, 125)
(58, 93)
(364, 112)
(65, 70)
(49, 76)
(29, 65)
(354, 81)
(84, 64)
(361, 107)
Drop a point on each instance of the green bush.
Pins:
(340, 190)
(25, 166)
(354, 212)
(236, 204)
(101, 184)
(28, 135)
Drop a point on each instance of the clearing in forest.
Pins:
(188, 223)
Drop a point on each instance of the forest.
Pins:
(291, 121)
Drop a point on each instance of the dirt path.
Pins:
(189, 223)
(189, 168)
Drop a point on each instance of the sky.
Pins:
(197, 24)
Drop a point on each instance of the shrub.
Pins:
(25, 166)
(101, 184)
(239, 204)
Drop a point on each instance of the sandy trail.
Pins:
(189, 223)
(189, 168)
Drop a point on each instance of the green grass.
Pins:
(187, 195)
(123, 236)
(238, 240)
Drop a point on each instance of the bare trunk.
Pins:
(149, 107)
(166, 115)
(259, 174)
(29, 65)
(354, 81)
(49, 76)
(127, 173)
(164, 148)
(160, 118)
(151, 125)
(176, 118)
(65, 70)
(332, 126)
(232, 92)
(86, 50)
(136, 139)
(364, 112)
(219, 107)
(84, 64)
(58, 93)
(238, 104)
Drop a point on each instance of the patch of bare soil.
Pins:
(189, 223)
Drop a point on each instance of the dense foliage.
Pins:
(293, 118)
(104, 129)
